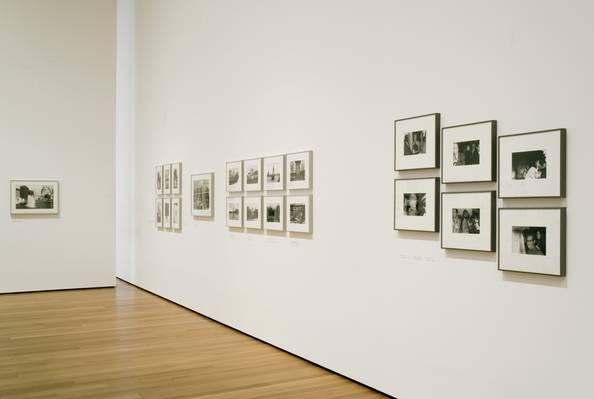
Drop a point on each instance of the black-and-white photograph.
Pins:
(166, 179)
(414, 204)
(466, 153)
(415, 142)
(529, 165)
(167, 212)
(252, 212)
(529, 240)
(274, 171)
(159, 180)
(201, 190)
(252, 175)
(466, 220)
(176, 178)
(297, 213)
(31, 197)
(252, 208)
(274, 208)
(233, 176)
(176, 212)
(233, 211)
(273, 212)
(159, 212)
(299, 170)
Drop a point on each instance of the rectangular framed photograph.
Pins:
(416, 142)
(299, 213)
(274, 213)
(299, 170)
(202, 194)
(234, 212)
(252, 174)
(274, 173)
(468, 221)
(176, 213)
(159, 180)
(469, 153)
(176, 178)
(532, 240)
(532, 164)
(167, 179)
(34, 197)
(167, 213)
(159, 212)
(234, 177)
(252, 212)
(416, 204)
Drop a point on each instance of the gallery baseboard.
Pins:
(57, 289)
(261, 340)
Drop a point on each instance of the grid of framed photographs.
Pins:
(168, 204)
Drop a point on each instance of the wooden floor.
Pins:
(126, 343)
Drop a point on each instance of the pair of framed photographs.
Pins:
(270, 213)
(168, 213)
(270, 173)
(168, 179)
(34, 197)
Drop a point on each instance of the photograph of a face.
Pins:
(252, 170)
(176, 213)
(415, 142)
(252, 208)
(298, 214)
(202, 194)
(299, 170)
(167, 179)
(414, 204)
(167, 213)
(274, 171)
(234, 176)
(176, 178)
(159, 212)
(529, 240)
(529, 165)
(159, 180)
(34, 197)
(466, 221)
(466, 153)
(234, 212)
(274, 213)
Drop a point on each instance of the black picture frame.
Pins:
(437, 126)
(437, 208)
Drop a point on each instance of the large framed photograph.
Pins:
(159, 180)
(299, 213)
(468, 221)
(159, 212)
(532, 164)
(469, 152)
(299, 170)
(252, 212)
(532, 240)
(176, 178)
(274, 173)
(416, 204)
(176, 213)
(167, 179)
(234, 177)
(252, 174)
(274, 213)
(34, 197)
(166, 213)
(234, 212)
(416, 142)
(202, 194)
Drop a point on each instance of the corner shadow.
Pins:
(203, 218)
(258, 232)
(471, 255)
(36, 216)
(276, 233)
(303, 236)
(235, 229)
(535, 279)
(418, 235)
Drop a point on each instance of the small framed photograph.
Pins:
(468, 221)
(202, 192)
(159, 212)
(234, 212)
(274, 173)
(252, 174)
(532, 240)
(469, 152)
(532, 164)
(34, 197)
(274, 213)
(416, 204)
(159, 180)
(299, 213)
(299, 170)
(176, 178)
(167, 213)
(176, 213)
(252, 212)
(416, 142)
(167, 179)
(234, 177)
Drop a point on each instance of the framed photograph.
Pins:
(532, 240)
(416, 204)
(167, 213)
(167, 179)
(252, 174)
(176, 213)
(274, 213)
(299, 170)
(532, 164)
(234, 177)
(416, 142)
(468, 221)
(34, 197)
(176, 178)
(469, 152)
(159, 212)
(202, 192)
(234, 212)
(299, 213)
(252, 212)
(159, 180)
(274, 173)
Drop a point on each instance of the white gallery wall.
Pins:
(225, 80)
(57, 122)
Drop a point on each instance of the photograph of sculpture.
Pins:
(34, 197)
(176, 213)
(202, 194)
(274, 208)
(176, 178)
(299, 214)
(159, 212)
(416, 204)
(234, 175)
(529, 165)
(299, 170)
(467, 153)
(466, 221)
(252, 211)
(167, 213)
(159, 180)
(274, 171)
(416, 142)
(234, 212)
(167, 179)
(252, 169)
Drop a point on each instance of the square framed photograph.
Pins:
(234, 177)
(416, 142)
(274, 173)
(252, 174)
(532, 164)
(235, 212)
(34, 197)
(176, 178)
(159, 212)
(274, 213)
(299, 213)
(167, 213)
(299, 170)
(468, 221)
(416, 204)
(159, 180)
(167, 179)
(176, 213)
(252, 212)
(469, 152)
(202, 194)
(532, 240)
